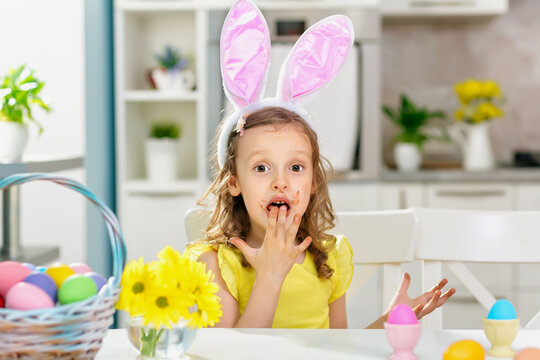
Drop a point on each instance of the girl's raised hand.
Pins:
(278, 253)
(425, 303)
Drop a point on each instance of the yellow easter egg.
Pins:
(528, 354)
(465, 350)
(59, 272)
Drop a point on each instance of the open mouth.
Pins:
(278, 203)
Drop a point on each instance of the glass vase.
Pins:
(162, 342)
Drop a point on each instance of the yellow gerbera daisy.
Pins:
(163, 306)
(135, 284)
(206, 313)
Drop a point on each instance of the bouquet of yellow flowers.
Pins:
(478, 100)
(174, 288)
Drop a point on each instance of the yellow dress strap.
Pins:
(231, 269)
(340, 259)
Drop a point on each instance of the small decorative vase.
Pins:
(407, 157)
(161, 159)
(475, 145)
(160, 343)
(173, 79)
(13, 139)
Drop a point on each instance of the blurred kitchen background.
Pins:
(102, 78)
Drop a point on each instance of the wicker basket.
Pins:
(73, 331)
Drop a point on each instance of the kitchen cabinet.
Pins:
(426, 8)
(350, 196)
(495, 196)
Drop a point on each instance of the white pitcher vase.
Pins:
(475, 144)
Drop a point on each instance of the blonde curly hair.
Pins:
(229, 216)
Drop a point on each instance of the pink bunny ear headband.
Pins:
(314, 60)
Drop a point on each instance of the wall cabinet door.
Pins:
(397, 8)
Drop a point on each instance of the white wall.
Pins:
(49, 37)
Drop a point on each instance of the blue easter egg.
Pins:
(502, 310)
(41, 268)
(43, 281)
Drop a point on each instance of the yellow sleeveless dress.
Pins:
(304, 297)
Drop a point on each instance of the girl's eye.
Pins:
(297, 168)
(261, 168)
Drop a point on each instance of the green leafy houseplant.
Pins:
(19, 95)
(414, 121)
(166, 129)
(171, 59)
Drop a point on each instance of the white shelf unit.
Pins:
(151, 213)
(438, 8)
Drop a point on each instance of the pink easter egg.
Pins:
(25, 296)
(402, 314)
(80, 268)
(528, 354)
(11, 272)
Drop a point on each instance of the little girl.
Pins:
(268, 240)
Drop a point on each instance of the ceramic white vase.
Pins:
(161, 159)
(173, 80)
(407, 156)
(13, 140)
(475, 145)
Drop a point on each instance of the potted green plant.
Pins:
(172, 73)
(415, 124)
(162, 150)
(19, 97)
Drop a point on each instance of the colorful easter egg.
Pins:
(80, 268)
(528, 354)
(25, 296)
(41, 268)
(32, 267)
(76, 288)
(44, 282)
(402, 314)
(98, 279)
(502, 310)
(464, 350)
(59, 272)
(11, 272)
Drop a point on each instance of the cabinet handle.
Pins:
(470, 193)
(439, 3)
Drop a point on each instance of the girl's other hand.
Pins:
(423, 304)
(278, 253)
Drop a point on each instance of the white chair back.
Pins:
(378, 239)
(455, 237)
(195, 222)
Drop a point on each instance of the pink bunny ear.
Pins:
(315, 59)
(245, 53)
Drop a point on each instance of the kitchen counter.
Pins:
(459, 175)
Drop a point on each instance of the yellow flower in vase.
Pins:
(178, 294)
(136, 281)
(479, 101)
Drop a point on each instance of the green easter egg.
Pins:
(76, 288)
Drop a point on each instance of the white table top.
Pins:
(282, 344)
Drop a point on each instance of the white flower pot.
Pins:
(173, 80)
(407, 156)
(161, 159)
(13, 140)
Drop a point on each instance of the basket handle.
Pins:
(113, 227)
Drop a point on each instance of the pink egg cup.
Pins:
(403, 339)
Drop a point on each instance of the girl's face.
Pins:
(274, 168)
